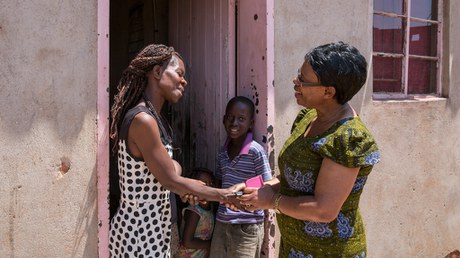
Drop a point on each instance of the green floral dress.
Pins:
(347, 142)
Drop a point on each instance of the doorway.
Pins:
(133, 25)
(203, 32)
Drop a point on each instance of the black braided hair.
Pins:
(133, 82)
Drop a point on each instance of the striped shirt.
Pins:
(250, 162)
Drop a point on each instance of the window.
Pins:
(407, 48)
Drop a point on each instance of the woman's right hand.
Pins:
(193, 199)
(258, 198)
(231, 194)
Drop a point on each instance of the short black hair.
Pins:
(341, 66)
(244, 100)
(196, 171)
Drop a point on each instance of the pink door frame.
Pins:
(255, 70)
(103, 124)
(255, 61)
(255, 79)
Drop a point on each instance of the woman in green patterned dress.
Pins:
(325, 162)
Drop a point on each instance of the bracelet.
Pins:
(277, 203)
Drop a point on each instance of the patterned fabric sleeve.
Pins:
(299, 117)
(351, 145)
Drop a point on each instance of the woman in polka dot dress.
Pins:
(141, 226)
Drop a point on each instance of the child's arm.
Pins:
(274, 183)
(262, 165)
(188, 240)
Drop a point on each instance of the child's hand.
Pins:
(190, 198)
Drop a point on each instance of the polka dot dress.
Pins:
(142, 225)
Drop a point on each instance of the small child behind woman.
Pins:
(198, 223)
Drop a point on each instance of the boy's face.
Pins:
(238, 120)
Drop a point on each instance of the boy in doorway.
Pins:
(240, 233)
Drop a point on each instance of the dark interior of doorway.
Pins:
(133, 25)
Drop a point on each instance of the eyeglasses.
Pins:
(306, 84)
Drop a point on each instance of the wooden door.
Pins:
(226, 54)
(202, 31)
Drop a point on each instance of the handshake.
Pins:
(235, 203)
(255, 182)
(234, 196)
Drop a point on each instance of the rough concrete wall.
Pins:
(48, 82)
(301, 25)
(411, 199)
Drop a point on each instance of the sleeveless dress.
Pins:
(203, 231)
(347, 142)
(141, 226)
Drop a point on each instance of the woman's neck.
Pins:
(334, 113)
(156, 99)
(326, 117)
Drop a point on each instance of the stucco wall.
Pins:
(410, 203)
(48, 88)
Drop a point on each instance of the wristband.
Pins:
(277, 203)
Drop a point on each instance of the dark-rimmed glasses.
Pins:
(305, 84)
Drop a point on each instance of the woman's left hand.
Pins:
(257, 198)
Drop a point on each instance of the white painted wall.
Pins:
(48, 88)
(410, 203)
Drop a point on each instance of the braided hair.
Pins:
(134, 81)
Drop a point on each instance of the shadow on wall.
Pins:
(45, 90)
(86, 227)
(453, 86)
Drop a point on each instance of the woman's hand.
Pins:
(236, 188)
(257, 198)
(228, 195)
(193, 199)
(231, 196)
